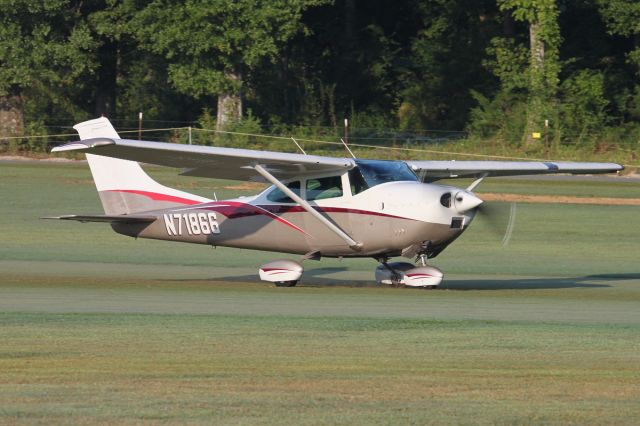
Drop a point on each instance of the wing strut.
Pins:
(477, 182)
(353, 244)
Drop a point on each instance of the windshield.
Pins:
(376, 172)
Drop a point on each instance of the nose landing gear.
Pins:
(400, 274)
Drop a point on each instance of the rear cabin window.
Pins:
(321, 188)
(277, 196)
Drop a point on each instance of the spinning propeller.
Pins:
(500, 218)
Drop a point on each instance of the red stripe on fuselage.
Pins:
(279, 208)
(156, 196)
(235, 209)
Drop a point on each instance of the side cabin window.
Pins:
(277, 196)
(321, 188)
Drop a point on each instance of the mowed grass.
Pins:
(97, 328)
(127, 368)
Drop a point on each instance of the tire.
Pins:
(286, 283)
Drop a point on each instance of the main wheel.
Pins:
(286, 283)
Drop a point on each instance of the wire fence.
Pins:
(432, 144)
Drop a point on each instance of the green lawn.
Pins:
(128, 368)
(97, 328)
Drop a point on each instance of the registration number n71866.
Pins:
(191, 223)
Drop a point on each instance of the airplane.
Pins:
(315, 207)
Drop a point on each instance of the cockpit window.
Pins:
(376, 172)
(277, 196)
(321, 188)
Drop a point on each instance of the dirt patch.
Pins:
(559, 199)
(39, 159)
(78, 181)
(246, 186)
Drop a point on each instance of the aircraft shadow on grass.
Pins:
(316, 278)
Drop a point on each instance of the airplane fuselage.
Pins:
(386, 219)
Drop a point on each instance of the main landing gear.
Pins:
(286, 273)
(283, 273)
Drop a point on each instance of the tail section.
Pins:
(123, 185)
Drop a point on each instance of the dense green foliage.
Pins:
(495, 69)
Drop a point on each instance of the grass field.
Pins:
(97, 328)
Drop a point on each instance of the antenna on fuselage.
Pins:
(347, 146)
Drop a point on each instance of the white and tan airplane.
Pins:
(316, 206)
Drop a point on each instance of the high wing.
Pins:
(239, 164)
(430, 171)
(209, 161)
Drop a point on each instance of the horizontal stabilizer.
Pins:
(84, 145)
(106, 218)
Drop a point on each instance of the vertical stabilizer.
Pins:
(98, 128)
(124, 187)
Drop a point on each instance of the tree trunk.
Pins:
(537, 54)
(11, 116)
(536, 84)
(229, 104)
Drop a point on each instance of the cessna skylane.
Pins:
(315, 207)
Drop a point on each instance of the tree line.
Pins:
(516, 71)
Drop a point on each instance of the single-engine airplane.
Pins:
(316, 206)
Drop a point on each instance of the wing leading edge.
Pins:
(209, 161)
(429, 171)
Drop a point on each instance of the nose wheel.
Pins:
(401, 274)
